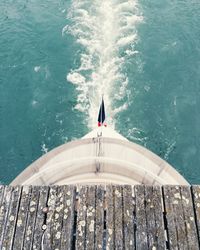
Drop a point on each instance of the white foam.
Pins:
(135, 134)
(126, 40)
(169, 149)
(37, 68)
(34, 103)
(44, 149)
(131, 52)
(106, 30)
(75, 78)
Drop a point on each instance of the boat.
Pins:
(102, 156)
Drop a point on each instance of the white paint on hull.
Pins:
(102, 156)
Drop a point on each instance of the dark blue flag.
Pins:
(102, 116)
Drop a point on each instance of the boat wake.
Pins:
(106, 31)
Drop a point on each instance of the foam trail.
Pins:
(106, 31)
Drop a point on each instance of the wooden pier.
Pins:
(99, 217)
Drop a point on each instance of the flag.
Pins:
(102, 116)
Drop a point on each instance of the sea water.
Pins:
(57, 59)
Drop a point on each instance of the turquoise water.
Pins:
(58, 57)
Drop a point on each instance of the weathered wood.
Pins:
(81, 218)
(11, 220)
(159, 220)
(196, 200)
(90, 218)
(99, 218)
(4, 211)
(175, 216)
(47, 218)
(57, 219)
(128, 212)
(170, 219)
(189, 218)
(141, 229)
(22, 218)
(40, 217)
(68, 218)
(109, 218)
(48, 236)
(118, 226)
(1, 193)
(150, 217)
(32, 213)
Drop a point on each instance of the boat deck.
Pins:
(99, 217)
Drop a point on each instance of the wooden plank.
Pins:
(40, 217)
(48, 236)
(189, 216)
(128, 211)
(159, 220)
(22, 218)
(150, 217)
(179, 217)
(118, 226)
(109, 217)
(99, 217)
(175, 218)
(7, 242)
(154, 217)
(81, 218)
(90, 215)
(170, 218)
(56, 223)
(196, 200)
(1, 193)
(4, 211)
(1, 208)
(68, 218)
(141, 230)
(32, 212)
